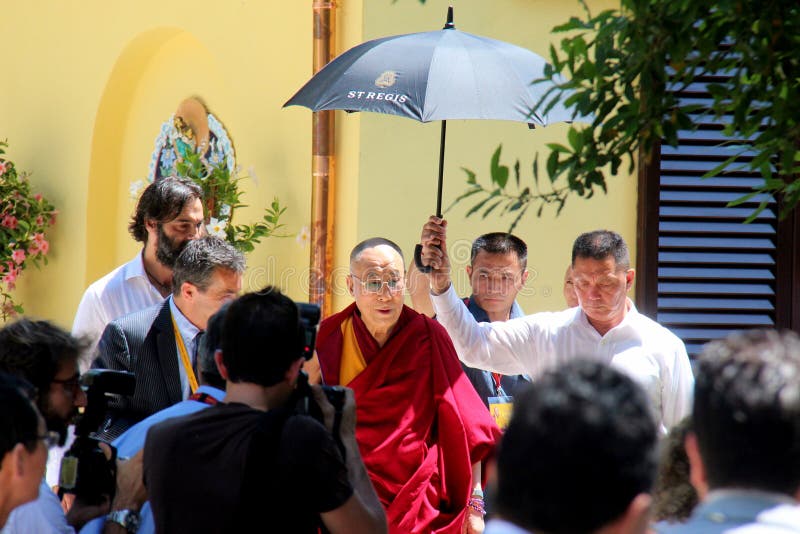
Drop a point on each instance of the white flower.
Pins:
(225, 210)
(251, 172)
(303, 237)
(216, 227)
(136, 188)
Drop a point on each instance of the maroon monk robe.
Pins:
(420, 425)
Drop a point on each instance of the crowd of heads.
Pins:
(582, 436)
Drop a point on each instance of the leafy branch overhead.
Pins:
(623, 67)
(498, 194)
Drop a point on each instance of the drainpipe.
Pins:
(322, 168)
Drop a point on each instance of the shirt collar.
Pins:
(482, 317)
(211, 391)
(187, 329)
(630, 316)
(135, 268)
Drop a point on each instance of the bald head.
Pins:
(373, 242)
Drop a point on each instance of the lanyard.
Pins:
(205, 398)
(496, 377)
(187, 363)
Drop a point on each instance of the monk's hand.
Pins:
(434, 253)
(473, 523)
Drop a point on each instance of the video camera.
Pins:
(85, 470)
(303, 400)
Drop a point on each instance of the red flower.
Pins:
(9, 221)
(18, 256)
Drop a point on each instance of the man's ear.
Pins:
(18, 455)
(223, 371)
(525, 274)
(350, 285)
(151, 225)
(294, 370)
(188, 291)
(469, 271)
(630, 274)
(697, 470)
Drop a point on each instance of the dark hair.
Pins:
(19, 422)
(261, 337)
(500, 243)
(36, 350)
(579, 448)
(162, 201)
(747, 411)
(601, 244)
(674, 497)
(209, 343)
(200, 258)
(371, 243)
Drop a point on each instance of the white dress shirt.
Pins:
(645, 350)
(124, 290)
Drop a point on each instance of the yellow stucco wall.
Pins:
(86, 86)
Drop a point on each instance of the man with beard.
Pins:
(47, 357)
(159, 344)
(168, 215)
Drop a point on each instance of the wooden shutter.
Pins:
(702, 272)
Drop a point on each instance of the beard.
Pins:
(57, 423)
(168, 249)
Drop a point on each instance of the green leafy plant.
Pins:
(222, 198)
(24, 219)
(619, 66)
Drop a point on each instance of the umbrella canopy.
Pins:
(439, 75)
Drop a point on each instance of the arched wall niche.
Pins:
(155, 71)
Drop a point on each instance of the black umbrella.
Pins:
(440, 75)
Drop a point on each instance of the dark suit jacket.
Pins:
(142, 343)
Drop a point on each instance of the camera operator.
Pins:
(47, 357)
(252, 460)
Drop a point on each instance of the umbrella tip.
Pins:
(449, 25)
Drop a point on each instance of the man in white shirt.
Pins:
(168, 215)
(605, 325)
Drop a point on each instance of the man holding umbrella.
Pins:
(605, 325)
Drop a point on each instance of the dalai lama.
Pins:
(421, 428)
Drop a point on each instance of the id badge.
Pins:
(500, 408)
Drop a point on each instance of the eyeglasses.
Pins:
(50, 438)
(375, 285)
(71, 384)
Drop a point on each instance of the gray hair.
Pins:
(601, 244)
(200, 258)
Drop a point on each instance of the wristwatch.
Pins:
(128, 519)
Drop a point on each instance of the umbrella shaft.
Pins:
(441, 171)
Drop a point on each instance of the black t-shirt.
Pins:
(231, 468)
